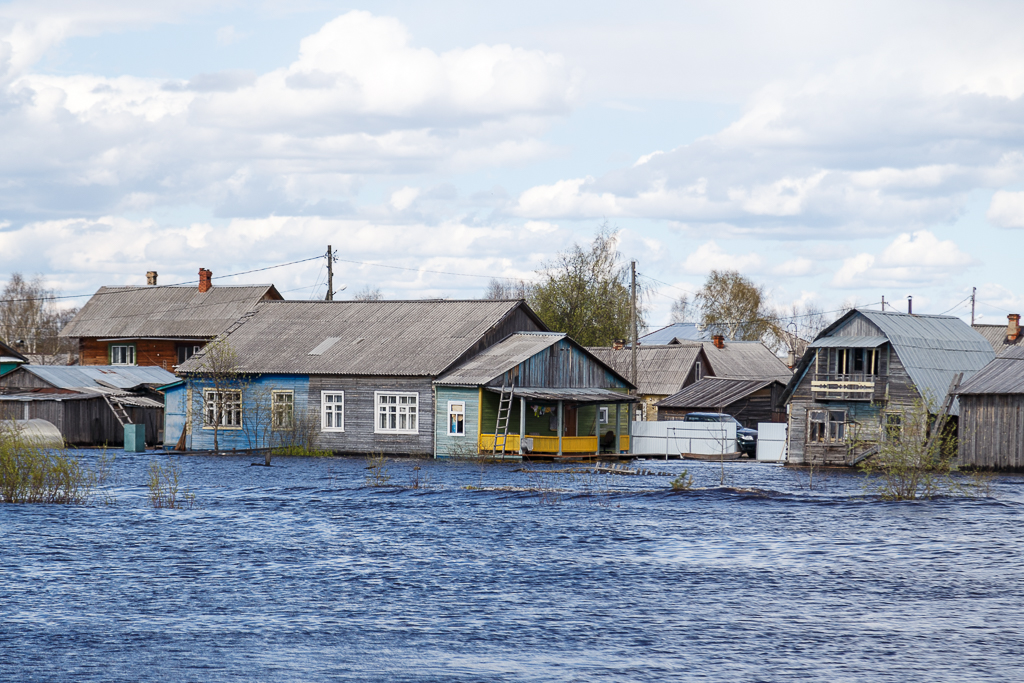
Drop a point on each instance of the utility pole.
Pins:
(883, 303)
(330, 274)
(974, 294)
(632, 318)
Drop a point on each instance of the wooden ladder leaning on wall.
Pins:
(504, 412)
(118, 409)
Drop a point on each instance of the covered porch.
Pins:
(557, 421)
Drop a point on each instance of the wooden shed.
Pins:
(87, 405)
(992, 415)
(751, 401)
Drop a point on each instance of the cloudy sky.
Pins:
(830, 151)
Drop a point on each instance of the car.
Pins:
(746, 438)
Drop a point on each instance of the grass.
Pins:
(165, 489)
(378, 472)
(32, 474)
(300, 451)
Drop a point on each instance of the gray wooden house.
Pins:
(750, 401)
(87, 404)
(865, 374)
(992, 415)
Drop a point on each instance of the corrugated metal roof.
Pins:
(590, 395)
(995, 335)
(661, 370)
(746, 360)
(933, 348)
(680, 331)
(714, 392)
(134, 312)
(500, 358)
(1004, 375)
(97, 376)
(390, 338)
(848, 342)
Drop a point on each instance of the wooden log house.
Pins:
(992, 415)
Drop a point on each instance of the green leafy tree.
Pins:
(584, 292)
(736, 308)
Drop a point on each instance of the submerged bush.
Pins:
(683, 482)
(30, 473)
(165, 487)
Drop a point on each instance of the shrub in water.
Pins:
(32, 474)
(165, 487)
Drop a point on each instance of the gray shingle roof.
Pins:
(171, 312)
(500, 358)
(1004, 375)
(714, 392)
(661, 370)
(746, 360)
(396, 338)
(96, 376)
(995, 335)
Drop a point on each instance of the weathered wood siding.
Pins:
(865, 419)
(858, 326)
(150, 352)
(360, 415)
(23, 380)
(463, 445)
(562, 365)
(517, 321)
(992, 431)
(85, 422)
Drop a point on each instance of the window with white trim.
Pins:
(603, 415)
(332, 411)
(122, 354)
(397, 413)
(222, 408)
(457, 418)
(282, 410)
(698, 371)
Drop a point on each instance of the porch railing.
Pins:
(549, 444)
(847, 387)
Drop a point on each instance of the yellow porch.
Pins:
(549, 444)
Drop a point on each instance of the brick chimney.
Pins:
(618, 344)
(1013, 327)
(151, 278)
(205, 280)
(718, 340)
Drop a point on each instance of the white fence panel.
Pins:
(771, 441)
(676, 437)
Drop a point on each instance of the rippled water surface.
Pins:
(468, 572)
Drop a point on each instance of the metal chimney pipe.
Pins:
(910, 305)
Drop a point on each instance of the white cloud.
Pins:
(401, 199)
(359, 99)
(1007, 209)
(709, 256)
(911, 259)
(795, 267)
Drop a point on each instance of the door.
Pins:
(569, 420)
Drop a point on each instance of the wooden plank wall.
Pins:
(88, 422)
(464, 445)
(992, 431)
(518, 321)
(360, 414)
(149, 352)
(562, 365)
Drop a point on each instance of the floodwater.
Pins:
(461, 572)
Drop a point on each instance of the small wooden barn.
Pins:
(992, 415)
(869, 372)
(87, 405)
(750, 401)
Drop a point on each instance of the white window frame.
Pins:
(129, 354)
(697, 371)
(285, 406)
(211, 405)
(398, 412)
(339, 415)
(602, 415)
(451, 412)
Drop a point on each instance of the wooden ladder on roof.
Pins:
(504, 413)
(118, 409)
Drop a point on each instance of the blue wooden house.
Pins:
(363, 377)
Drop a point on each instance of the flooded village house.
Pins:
(866, 374)
(383, 376)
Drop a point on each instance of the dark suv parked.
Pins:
(746, 438)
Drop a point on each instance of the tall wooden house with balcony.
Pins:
(160, 326)
(864, 375)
